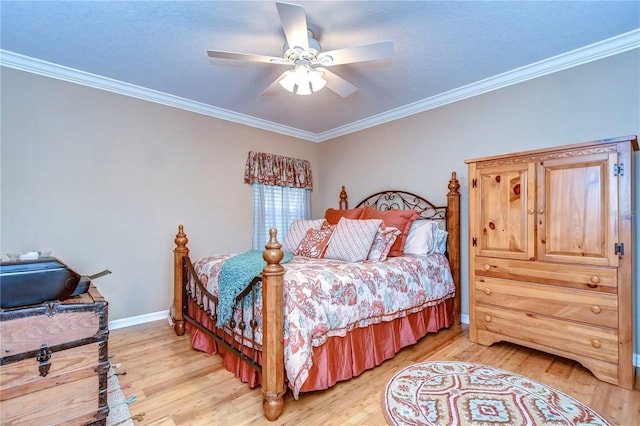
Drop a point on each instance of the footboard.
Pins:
(237, 336)
(189, 292)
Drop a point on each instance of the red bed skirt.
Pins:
(342, 358)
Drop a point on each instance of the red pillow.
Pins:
(333, 216)
(401, 219)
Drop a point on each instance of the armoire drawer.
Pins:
(590, 307)
(599, 279)
(591, 341)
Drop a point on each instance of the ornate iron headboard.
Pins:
(394, 199)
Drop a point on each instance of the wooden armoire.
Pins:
(550, 253)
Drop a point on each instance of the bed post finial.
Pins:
(454, 185)
(179, 253)
(344, 201)
(273, 383)
(272, 254)
(181, 239)
(453, 227)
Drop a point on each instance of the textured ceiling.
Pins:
(444, 51)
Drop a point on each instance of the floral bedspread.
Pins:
(324, 298)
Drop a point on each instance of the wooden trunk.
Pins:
(550, 253)
(54, 362)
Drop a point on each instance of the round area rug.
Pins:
(463, 393)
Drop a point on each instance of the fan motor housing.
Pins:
(294, 54)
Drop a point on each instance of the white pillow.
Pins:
(352, 239)
(297, 232)
(441, 241)
(422, 237)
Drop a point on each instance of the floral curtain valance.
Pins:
(270, 169)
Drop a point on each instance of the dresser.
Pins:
(54, 362)
(550, 253)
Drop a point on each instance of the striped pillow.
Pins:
(352, 239)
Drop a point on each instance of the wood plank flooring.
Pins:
(177, 385)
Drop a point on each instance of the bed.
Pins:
(301, 323)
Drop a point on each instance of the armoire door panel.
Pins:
(505, 222)
(577, 210)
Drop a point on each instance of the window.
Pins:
(281, 193)
(276, 207)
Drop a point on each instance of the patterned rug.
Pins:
(119, 413)
(462, 393)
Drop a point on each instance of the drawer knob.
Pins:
(487, 318)
(595, 279)
(596, 309)
(541, 210)
(532, 211)
(487, 291)
(596, 343)
(487, 267)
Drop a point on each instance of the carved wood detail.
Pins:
(537, 158)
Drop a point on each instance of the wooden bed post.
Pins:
(453, 228)
(179, 253)
(344, 201)
(273, 384)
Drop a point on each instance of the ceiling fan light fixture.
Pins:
(303, 80)
(316, 80)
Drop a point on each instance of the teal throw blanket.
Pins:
(236, 273)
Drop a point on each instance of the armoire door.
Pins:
(503, 196)
(577, 209)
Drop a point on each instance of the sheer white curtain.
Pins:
(281, 193)
(276, 207)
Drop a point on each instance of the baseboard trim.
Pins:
(140, 319)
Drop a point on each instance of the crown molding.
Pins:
(36, 66)
(583, 55)
(612, 46)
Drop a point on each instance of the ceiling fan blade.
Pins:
(221, 54)
(363, 52)
(294, 24)
(274, 88)
(337, 84)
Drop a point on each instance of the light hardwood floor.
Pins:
(177, 385)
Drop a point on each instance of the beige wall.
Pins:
(104, 180)
(594, 101)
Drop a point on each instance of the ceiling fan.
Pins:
(302, 51)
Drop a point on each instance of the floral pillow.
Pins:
(314, 243)
(297, 232)
(384, 239)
